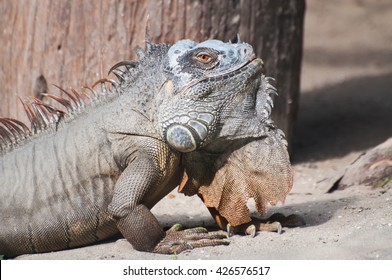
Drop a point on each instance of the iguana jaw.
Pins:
(231, 72)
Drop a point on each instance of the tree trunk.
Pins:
(49, 42)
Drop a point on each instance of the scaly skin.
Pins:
(86, 176)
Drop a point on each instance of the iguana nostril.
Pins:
(245, 51)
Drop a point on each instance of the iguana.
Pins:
(183, 114)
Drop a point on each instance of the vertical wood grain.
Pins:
(45, 42)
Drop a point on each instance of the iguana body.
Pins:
(81, 177)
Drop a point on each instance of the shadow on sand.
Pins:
(350, 116)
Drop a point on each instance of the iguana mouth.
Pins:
(253, 62)
(236, 70)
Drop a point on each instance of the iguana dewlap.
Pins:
(260, 170)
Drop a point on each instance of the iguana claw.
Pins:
(251, 231)
(254, 226)
(290, 221)
(178, 240)
(272, 224)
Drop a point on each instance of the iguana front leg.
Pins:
(134, 220)
(148, 177)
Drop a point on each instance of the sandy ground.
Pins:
(345, 109)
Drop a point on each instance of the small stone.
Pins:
(171, 196)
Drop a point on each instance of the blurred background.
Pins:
(345, 48)
(346, 82)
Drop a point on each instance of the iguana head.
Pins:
(207, 84)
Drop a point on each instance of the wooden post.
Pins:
(49, 42)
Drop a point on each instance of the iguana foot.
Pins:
(289, 221)
(254, 226)
(178, 240)
(271, 224)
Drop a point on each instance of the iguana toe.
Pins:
(178, 240)
(251, 231)
(275, 223)
(254, 226)
(271, 227)
(290, 221)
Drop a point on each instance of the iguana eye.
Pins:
(203, 57)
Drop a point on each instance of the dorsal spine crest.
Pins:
(44, 116)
